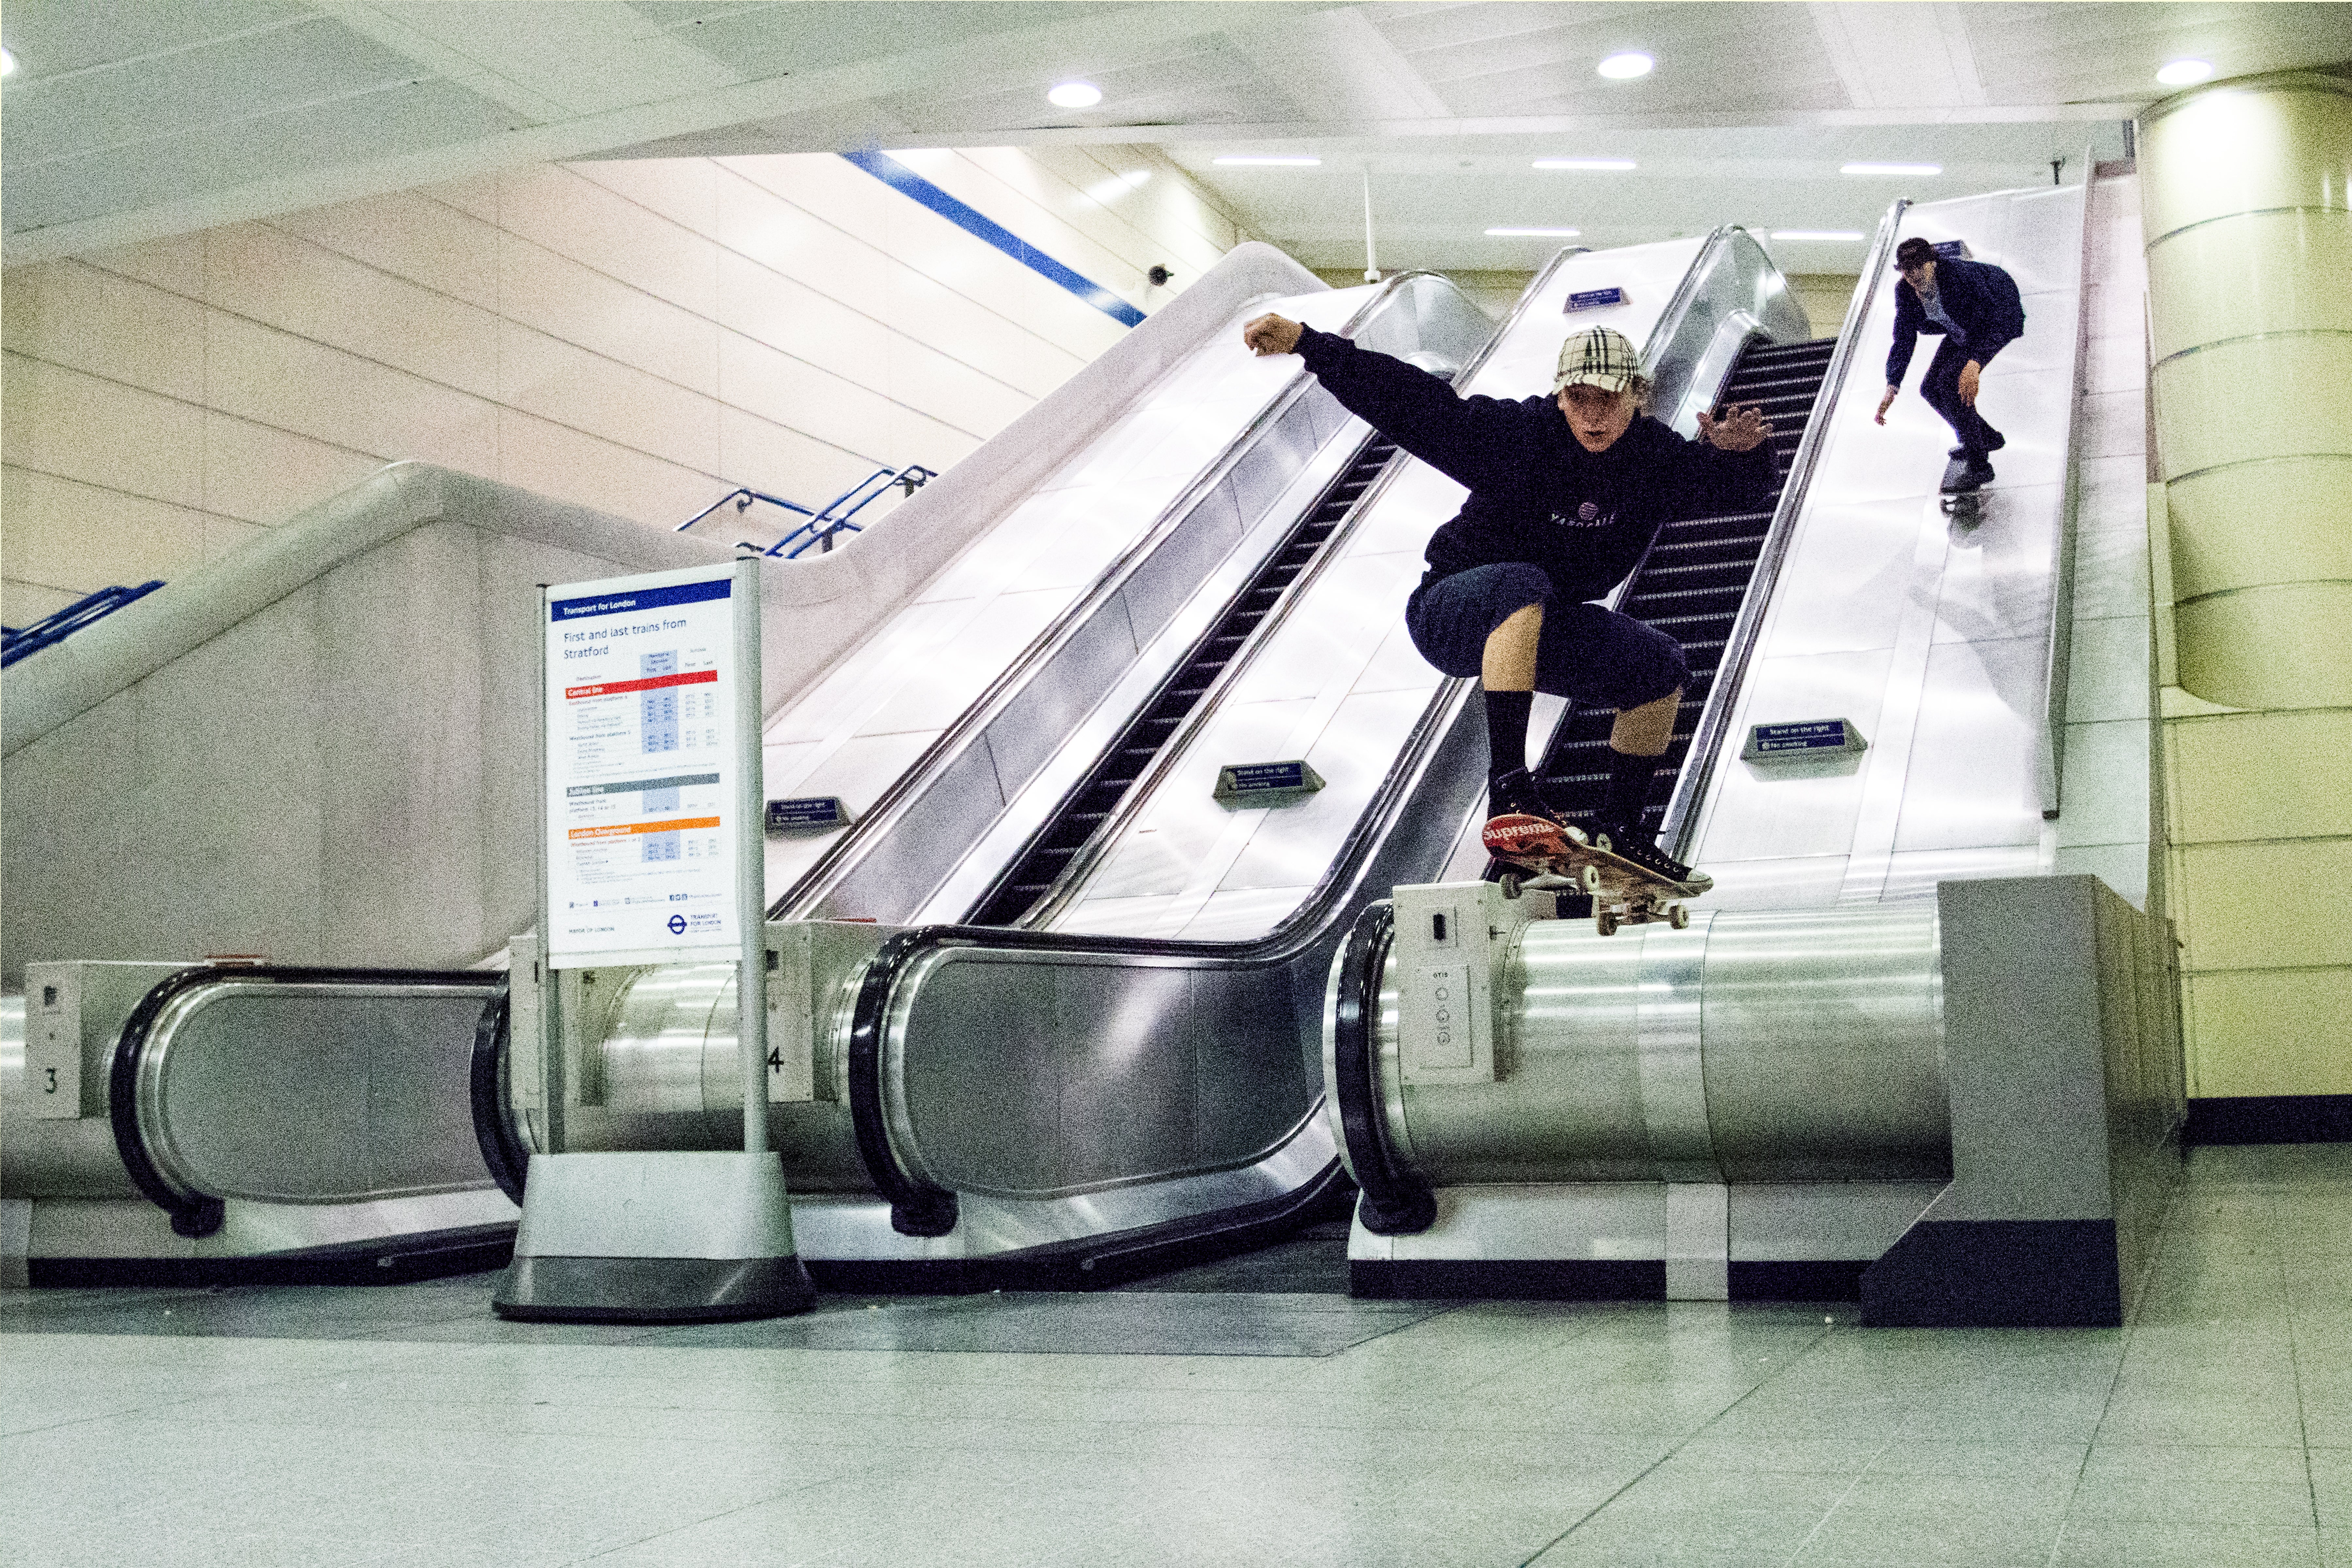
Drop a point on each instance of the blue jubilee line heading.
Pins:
(900, 178)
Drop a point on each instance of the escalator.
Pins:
(1082, 812)
(1692, 584)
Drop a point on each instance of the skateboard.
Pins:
(1545, 855)
(1958, 503)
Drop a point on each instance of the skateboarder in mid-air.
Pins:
(1566, 493)
(1974, 305)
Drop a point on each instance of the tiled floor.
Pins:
(1240, 1414)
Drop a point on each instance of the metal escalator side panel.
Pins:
(1709, 735)
(300, 1087)
(971, 769)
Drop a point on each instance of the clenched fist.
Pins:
(1272, 334)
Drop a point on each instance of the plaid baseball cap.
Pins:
(1597, 356)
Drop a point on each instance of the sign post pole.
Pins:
(750, 863)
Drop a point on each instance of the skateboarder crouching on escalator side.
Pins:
(1566, 491)
(1974, 305)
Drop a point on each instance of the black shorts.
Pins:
(1598, 656)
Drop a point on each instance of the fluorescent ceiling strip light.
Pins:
(1267, 161)
(1922, 170)
(1536, 233)
(1584, 163)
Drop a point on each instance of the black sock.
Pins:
(1507, 731)
(1629, 788)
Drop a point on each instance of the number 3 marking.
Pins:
(52, 1088)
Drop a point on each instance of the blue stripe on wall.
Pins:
(899, 177)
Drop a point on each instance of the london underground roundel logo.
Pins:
(678, 925)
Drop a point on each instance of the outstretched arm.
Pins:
(1470, 439)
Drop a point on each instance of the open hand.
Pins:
(1969, 373)
(1884, 404)
(1739, 429)
(1272, 334)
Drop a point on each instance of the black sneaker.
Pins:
(1995, 442)
(1632, 842)
(1516, 793)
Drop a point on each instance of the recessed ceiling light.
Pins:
(2184, 73)
(1922, 170)
(1840, 235)
(1074, 95)
(1584, 163)
(7, 61)
(1535, 233)
(1267, 161)
(1627, 66)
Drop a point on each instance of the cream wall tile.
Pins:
(2229, 900)
(176, 264)
(79, 316)
(763, 226)
(782, 461)
(557, 381)
(22, 603)
(580, 305)
(579, 218)
(410, 235)
(554, 460)
(101, 432)
(1068, 224)
(786, 314)
(2279, 1032)
(686, 191)
(276, 378)
(259, 474)
(288, 283)
(783, 390)
(828, 187)
(950, 391)
(2262, 776)
(1019, 354)
(477, 195)
(916, 439)
(223, 534)
(76, 537)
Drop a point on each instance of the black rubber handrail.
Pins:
(503, 1154)
(1395, 1201)
(917, 1207)
(197, 1215)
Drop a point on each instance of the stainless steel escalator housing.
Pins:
(1033, 1095)
(228, 1122)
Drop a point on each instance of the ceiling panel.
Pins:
(68, 35)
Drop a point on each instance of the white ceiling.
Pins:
(132, 119)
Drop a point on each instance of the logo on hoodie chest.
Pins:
(1587, 515)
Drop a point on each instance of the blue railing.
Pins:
(823, 521)
(16, 644)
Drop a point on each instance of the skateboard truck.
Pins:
(1565, 859)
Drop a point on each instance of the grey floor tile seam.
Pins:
(2294, 1362)
(1602, 1507)
(744, 1507)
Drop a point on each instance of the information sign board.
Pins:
(1808, 738)
(646, 753)
(1594, 299)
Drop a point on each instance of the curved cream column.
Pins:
(2246, 191)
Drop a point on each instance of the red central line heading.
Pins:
(615, 688)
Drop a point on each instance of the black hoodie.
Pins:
(1535, 495)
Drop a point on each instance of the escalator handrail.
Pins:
(798, 900)
(197, 1215)
(1708, 735)
(1396, 1202)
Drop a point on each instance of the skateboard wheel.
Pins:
(1511, 880)
(1678, 917)
(1591, 875)
(1605, 921)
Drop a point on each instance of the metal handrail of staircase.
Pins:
(17, 643)
(823, 521)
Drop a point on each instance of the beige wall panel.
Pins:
(2264, 272)
(1181, 231)
(2234, 897)
(787, 315)
(782, 461)
(83, 317)
(2262, 776)
(76, 537)
(223, 534)
(578, 219)
(555, 460)
(2287, 646)
(276, 378)
(951, 391)
(296, 286)
(560, 298)
(557, 381)
(2278, 1032)
(2273, 397)
(2235, 150)
(782, 390)
(756, 223)
(176, 264)
(22, 603)
(102, 432)
(927, 441)
(1074, 227)
(410, 235)
(828, 188)
(260, 474)
(2261, 523)
(477, 195)
(685, 191)
(1003, 348)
